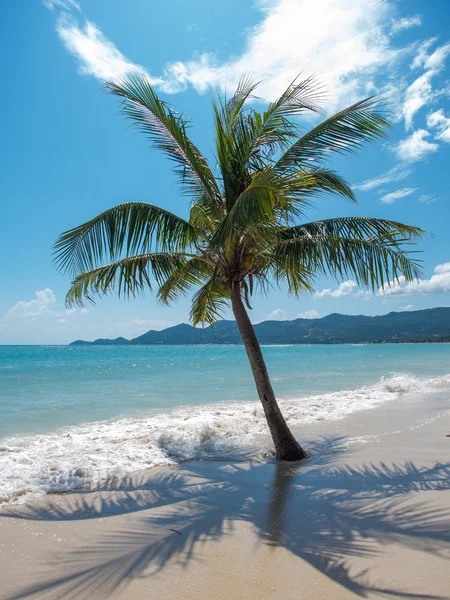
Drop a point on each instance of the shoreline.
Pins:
(366, 516)
(91, 344)
(263, 344)
(74, 457)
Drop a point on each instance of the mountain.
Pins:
(430, 325)
(120, 341)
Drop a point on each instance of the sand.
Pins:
(368, 515)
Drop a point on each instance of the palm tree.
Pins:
(241, 233)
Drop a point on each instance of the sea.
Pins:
(71, 416)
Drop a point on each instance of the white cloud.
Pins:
(365, 294)
(132, 327)
(308, 314)
(397, 173)
(438, 120)
(444, 268)
(142, 322)
(421, 91)
(347, 288)
(437, 284)
(408, 307)
(426, 199)
(405, 23)
(339, 38)
(393, 196)
(415, 147)
(344, 289)
(276, 315)
(98, 56)
(422, 53)
(65, 4)
(44, 303)
(346, 42)
(43, 306)
(436, 60)
(418, 94)
(156, 324)
(44, 319)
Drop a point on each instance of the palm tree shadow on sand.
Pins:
(322, 513)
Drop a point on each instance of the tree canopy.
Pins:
(246, 224)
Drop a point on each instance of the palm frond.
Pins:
(357, 227)
(127, 277)
(270, 198)
(130, 228)
(192, 273)
(302, 184)
(231, 109)
(167, 130)
(204, 215)
(233, 174)
(209, 303)
(255, 206)
(239, 231)
(372, 253)
(299, 97)
(201, 217)
(344, 132)
(298, 280)
(273, 129)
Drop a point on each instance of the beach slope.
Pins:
(368, 515)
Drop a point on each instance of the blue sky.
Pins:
(67, 154)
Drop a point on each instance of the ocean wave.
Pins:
(83, 455)
(276, 345)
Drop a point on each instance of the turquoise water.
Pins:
(45, 387)
(74, 415)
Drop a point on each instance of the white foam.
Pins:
(443, 380)
(69, 459)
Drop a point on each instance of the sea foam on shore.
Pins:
(77, 456)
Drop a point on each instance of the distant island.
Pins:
(420, 326)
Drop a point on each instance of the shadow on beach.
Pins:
(321, 512)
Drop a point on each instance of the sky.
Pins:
(67, 154)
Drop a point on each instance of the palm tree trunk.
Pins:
(286, 446)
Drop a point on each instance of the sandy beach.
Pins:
(368, 515)
(225, 307)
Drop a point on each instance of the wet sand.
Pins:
(368, 515)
